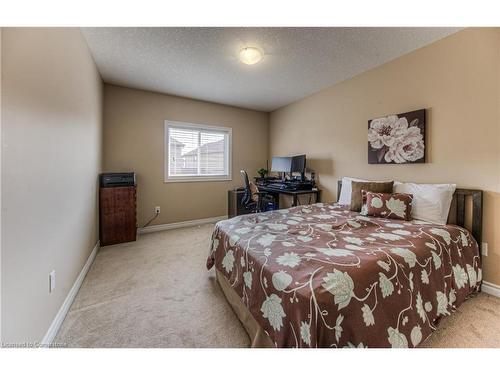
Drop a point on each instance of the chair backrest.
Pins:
(247, 197)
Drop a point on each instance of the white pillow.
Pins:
(431, 202)
(346, 190)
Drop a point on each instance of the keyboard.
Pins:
(290, 185)
(277, 185)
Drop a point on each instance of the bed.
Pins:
(322, 276)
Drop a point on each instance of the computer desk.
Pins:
(294, 193)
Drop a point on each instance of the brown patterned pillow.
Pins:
(389, 206)
(376, 187)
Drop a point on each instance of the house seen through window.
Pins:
(197, 152)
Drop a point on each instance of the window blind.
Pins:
(197, 151)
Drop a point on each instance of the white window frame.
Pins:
(188, 125)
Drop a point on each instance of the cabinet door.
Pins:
(117, 215)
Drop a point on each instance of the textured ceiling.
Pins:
(202, 63)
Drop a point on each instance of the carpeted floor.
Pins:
(156, 292)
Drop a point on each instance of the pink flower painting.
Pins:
(397, 139)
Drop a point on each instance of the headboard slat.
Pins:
(460, 209)
(458, 216)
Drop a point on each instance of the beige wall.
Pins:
(1, 330)
(134, 141)
(457, 79)
(51, 156)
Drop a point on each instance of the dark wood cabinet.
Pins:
(117, 215)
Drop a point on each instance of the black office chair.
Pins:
(253, 199)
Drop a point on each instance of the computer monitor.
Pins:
(281, 164)
(299, 164)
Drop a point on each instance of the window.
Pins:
(197, 152)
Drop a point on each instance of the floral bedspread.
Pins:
(321, 276)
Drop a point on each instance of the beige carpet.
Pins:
(156, 292)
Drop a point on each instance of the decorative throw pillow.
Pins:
(389, 206)
(376, 187)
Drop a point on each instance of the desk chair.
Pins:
(253, 199)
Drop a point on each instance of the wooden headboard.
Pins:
(466, 210)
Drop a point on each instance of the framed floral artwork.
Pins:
(397, 139)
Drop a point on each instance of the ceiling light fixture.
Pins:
(250, 55)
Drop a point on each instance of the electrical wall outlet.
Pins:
(157, 209)
(484, 248)
(52, 281)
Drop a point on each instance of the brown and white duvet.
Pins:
(321, 276)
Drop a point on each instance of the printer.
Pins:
(117, 179)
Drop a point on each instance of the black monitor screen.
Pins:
(281, 164)
(299, 163)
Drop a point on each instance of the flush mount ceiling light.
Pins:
(250, 55)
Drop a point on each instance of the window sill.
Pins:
(198, 179)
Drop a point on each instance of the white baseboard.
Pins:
(491, 288)
(61, 314)
(181, 224)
